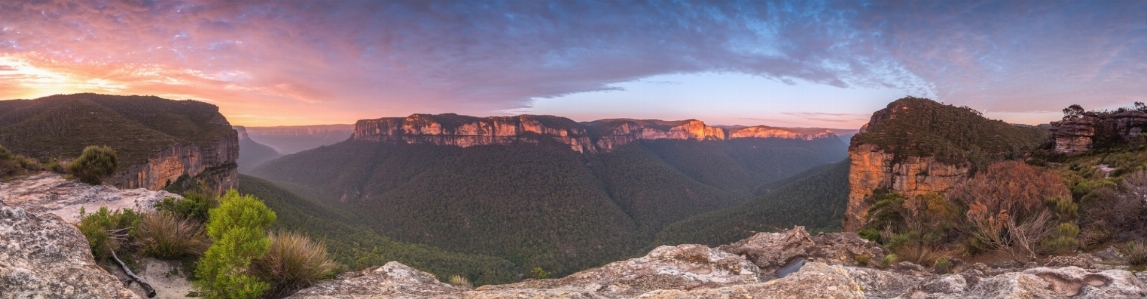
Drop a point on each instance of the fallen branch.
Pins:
(146, 287)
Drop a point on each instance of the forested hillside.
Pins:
(357, 246)
(816, 201)
(541, 205)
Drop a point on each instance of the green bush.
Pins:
(167, 236)
(238, 228)
(194, 206)
(108, 230)
(94, 164)
(943, 265)
(890, 259)
(540, 273)
(292, 263)
(1062, 240)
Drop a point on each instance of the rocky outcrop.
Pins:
(746, 270)
(873, 168)
(466, 131)
(41, 256)
(51, 193)
(590, 137)
(212, 162)
(1075, 135)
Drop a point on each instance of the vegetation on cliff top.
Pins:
(135, 126)
(956, 135)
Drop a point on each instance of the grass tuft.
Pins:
(293, 262)
(167, 236)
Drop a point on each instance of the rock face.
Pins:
(466, 131)
(1079, 134)
(590, 137)
(41, 256)
(696, 271)
(214, 163)
(51, 193)
(873, 168)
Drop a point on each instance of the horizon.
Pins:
(779, 64)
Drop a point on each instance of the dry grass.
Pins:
(1136, 253)
(458, 280)
(293, 262)
(167, 236)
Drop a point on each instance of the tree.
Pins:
(1073, 111)
(238, 228)
(1140, 107)
(94, 164)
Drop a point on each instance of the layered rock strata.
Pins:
(590, 137)
(1079, 134)
(213, 162)
(746, 270)
(872, 168)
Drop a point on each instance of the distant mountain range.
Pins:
(292, 139)
(543, 191)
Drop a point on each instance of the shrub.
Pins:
(1006, 205)
(194, 206)
(167, 236)
(540, 273)
(94, 164)
(862, 259)
(108, 230)
(1136, 253)
(943, 265)
(890, 259)
(1062, 240)
(293, 262)
(458, 280)
(238, 229)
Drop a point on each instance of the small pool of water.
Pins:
(790, 267)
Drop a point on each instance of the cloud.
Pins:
(360, 59)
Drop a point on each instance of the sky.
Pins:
(780, 63)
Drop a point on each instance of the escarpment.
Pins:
(157, 141)
(587, 137)
(1084, 131)
(916, 146)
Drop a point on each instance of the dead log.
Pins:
(146, 287)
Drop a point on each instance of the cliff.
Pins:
(915, 146)
(1088, 130)
(158, 141)
(467, 131)
(588, 137)
(788, 264)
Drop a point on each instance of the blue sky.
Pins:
(781, 63)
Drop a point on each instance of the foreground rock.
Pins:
(41, 256)
(750, 269)
(51, 193)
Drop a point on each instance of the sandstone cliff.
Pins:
(589, 137)
(1075, 135)
(873, 168)
(915, 146)
(213, 162)
(788, 264)
(156, 140)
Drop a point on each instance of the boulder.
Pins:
(393, 280)
(1080, 283)
(41, 256)
(814, 280)
(683, 267)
